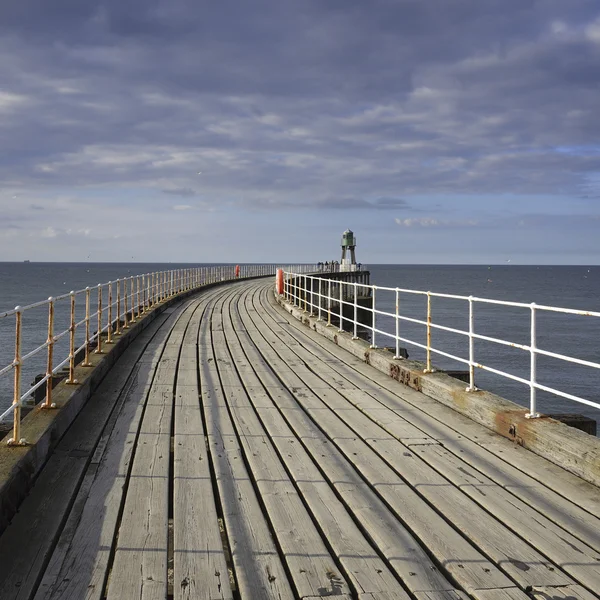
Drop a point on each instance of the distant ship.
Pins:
(26, 261)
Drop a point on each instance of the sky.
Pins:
(439, 131)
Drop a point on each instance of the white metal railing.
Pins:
(318, 294)
(117, 304)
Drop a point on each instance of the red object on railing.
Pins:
(237, 270)
(279, 282)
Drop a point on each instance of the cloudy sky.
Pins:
(440, 131)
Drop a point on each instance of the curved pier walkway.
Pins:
(232, 453)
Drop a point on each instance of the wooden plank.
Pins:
(499, 543)
(524, 564)
(259, 571)
(52, 571)
(556, 543)
(140, 564)
(542, 533)
(367, 572)
(309, 561)
(84, 568)
(503, 594)
(394, 541)
(465, 564)
(200, 568)
(45, 510)
(566, 514)
(453, 595)
(571, 592)
(499, 465)
(580, 492)
(81, 570)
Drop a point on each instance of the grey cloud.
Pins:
(184, 192)
(287, 101)
(385, 203)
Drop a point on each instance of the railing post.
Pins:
(99, 344)
(125, 305)
(355, 336)
(329, 303)
(397, 324)
(471, 387)
(305, 294)
(428, 368)
(132, 289)
(16, 438)
(373, 324)
(86, 361)
(302, 293)
(109, 331)
(50, 358)
(118, 331)
(143, 293)
(71, 380)
(137, 292)
(341, 327)
(533, 414)
(320, 296)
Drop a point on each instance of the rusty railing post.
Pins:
(71, 380)
(50, 357)
(86, 361)
(137, 288)
(99, 343)
(125, 305)
(109, 331)
(16, 439)
(132, 290)
(118, 331)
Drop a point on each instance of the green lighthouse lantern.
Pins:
(348, 243)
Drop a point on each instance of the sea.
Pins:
(575, 287)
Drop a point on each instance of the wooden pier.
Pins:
(234, 453)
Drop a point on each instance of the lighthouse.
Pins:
(348, 243)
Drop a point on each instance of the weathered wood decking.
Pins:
(233, 453)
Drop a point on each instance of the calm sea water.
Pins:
(564, 286)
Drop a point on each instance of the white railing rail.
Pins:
(126, 301)
(319, 295)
